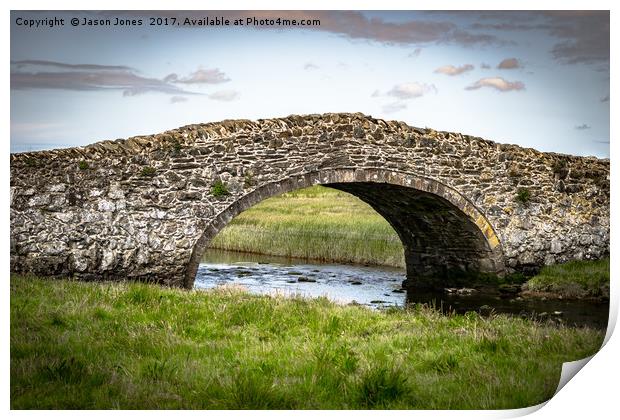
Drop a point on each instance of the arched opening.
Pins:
(443, 234)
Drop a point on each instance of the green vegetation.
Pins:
(575, 279)
(148, 171)
(317, 223)
(176, 145)
(576, 174)
(560, 168)
(31, 162)
(83, 165)
(219, 189)
(127, 345)
(248, 180)
(523, 195)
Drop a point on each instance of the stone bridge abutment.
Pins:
(146, 207)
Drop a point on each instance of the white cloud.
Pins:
(177, 99)
(411, 90)
(394, 107)
(454, 71)
(200, 76)
(224, 95)
(497, 83)
(310, 66)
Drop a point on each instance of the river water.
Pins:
(376, 287)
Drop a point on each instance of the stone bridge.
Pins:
(146, 208)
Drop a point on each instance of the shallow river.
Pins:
(374, 287)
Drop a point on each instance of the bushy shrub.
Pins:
(523, 195)
(218, 189)
(148, 171)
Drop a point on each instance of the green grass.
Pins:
(575, 279)
(317, 223)
(127, 345)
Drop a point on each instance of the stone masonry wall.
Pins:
(144, 207)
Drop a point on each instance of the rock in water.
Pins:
(304, 279)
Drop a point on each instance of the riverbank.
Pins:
(127, 345)
(572, 280)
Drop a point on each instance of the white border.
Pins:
(591, 393)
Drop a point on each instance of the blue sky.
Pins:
(537, 79)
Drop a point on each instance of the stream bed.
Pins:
(376, 287)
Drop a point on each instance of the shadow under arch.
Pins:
(441, 231)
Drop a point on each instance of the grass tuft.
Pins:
(158, 370)
(443, 363)
(65, 371)
(254, 390)
(380, 386)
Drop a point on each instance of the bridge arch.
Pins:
(442, 232)
(144, 208)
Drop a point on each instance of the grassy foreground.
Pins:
(575, 279)
(318, 223)
(111, 345)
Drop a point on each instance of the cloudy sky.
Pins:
(537, 79)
